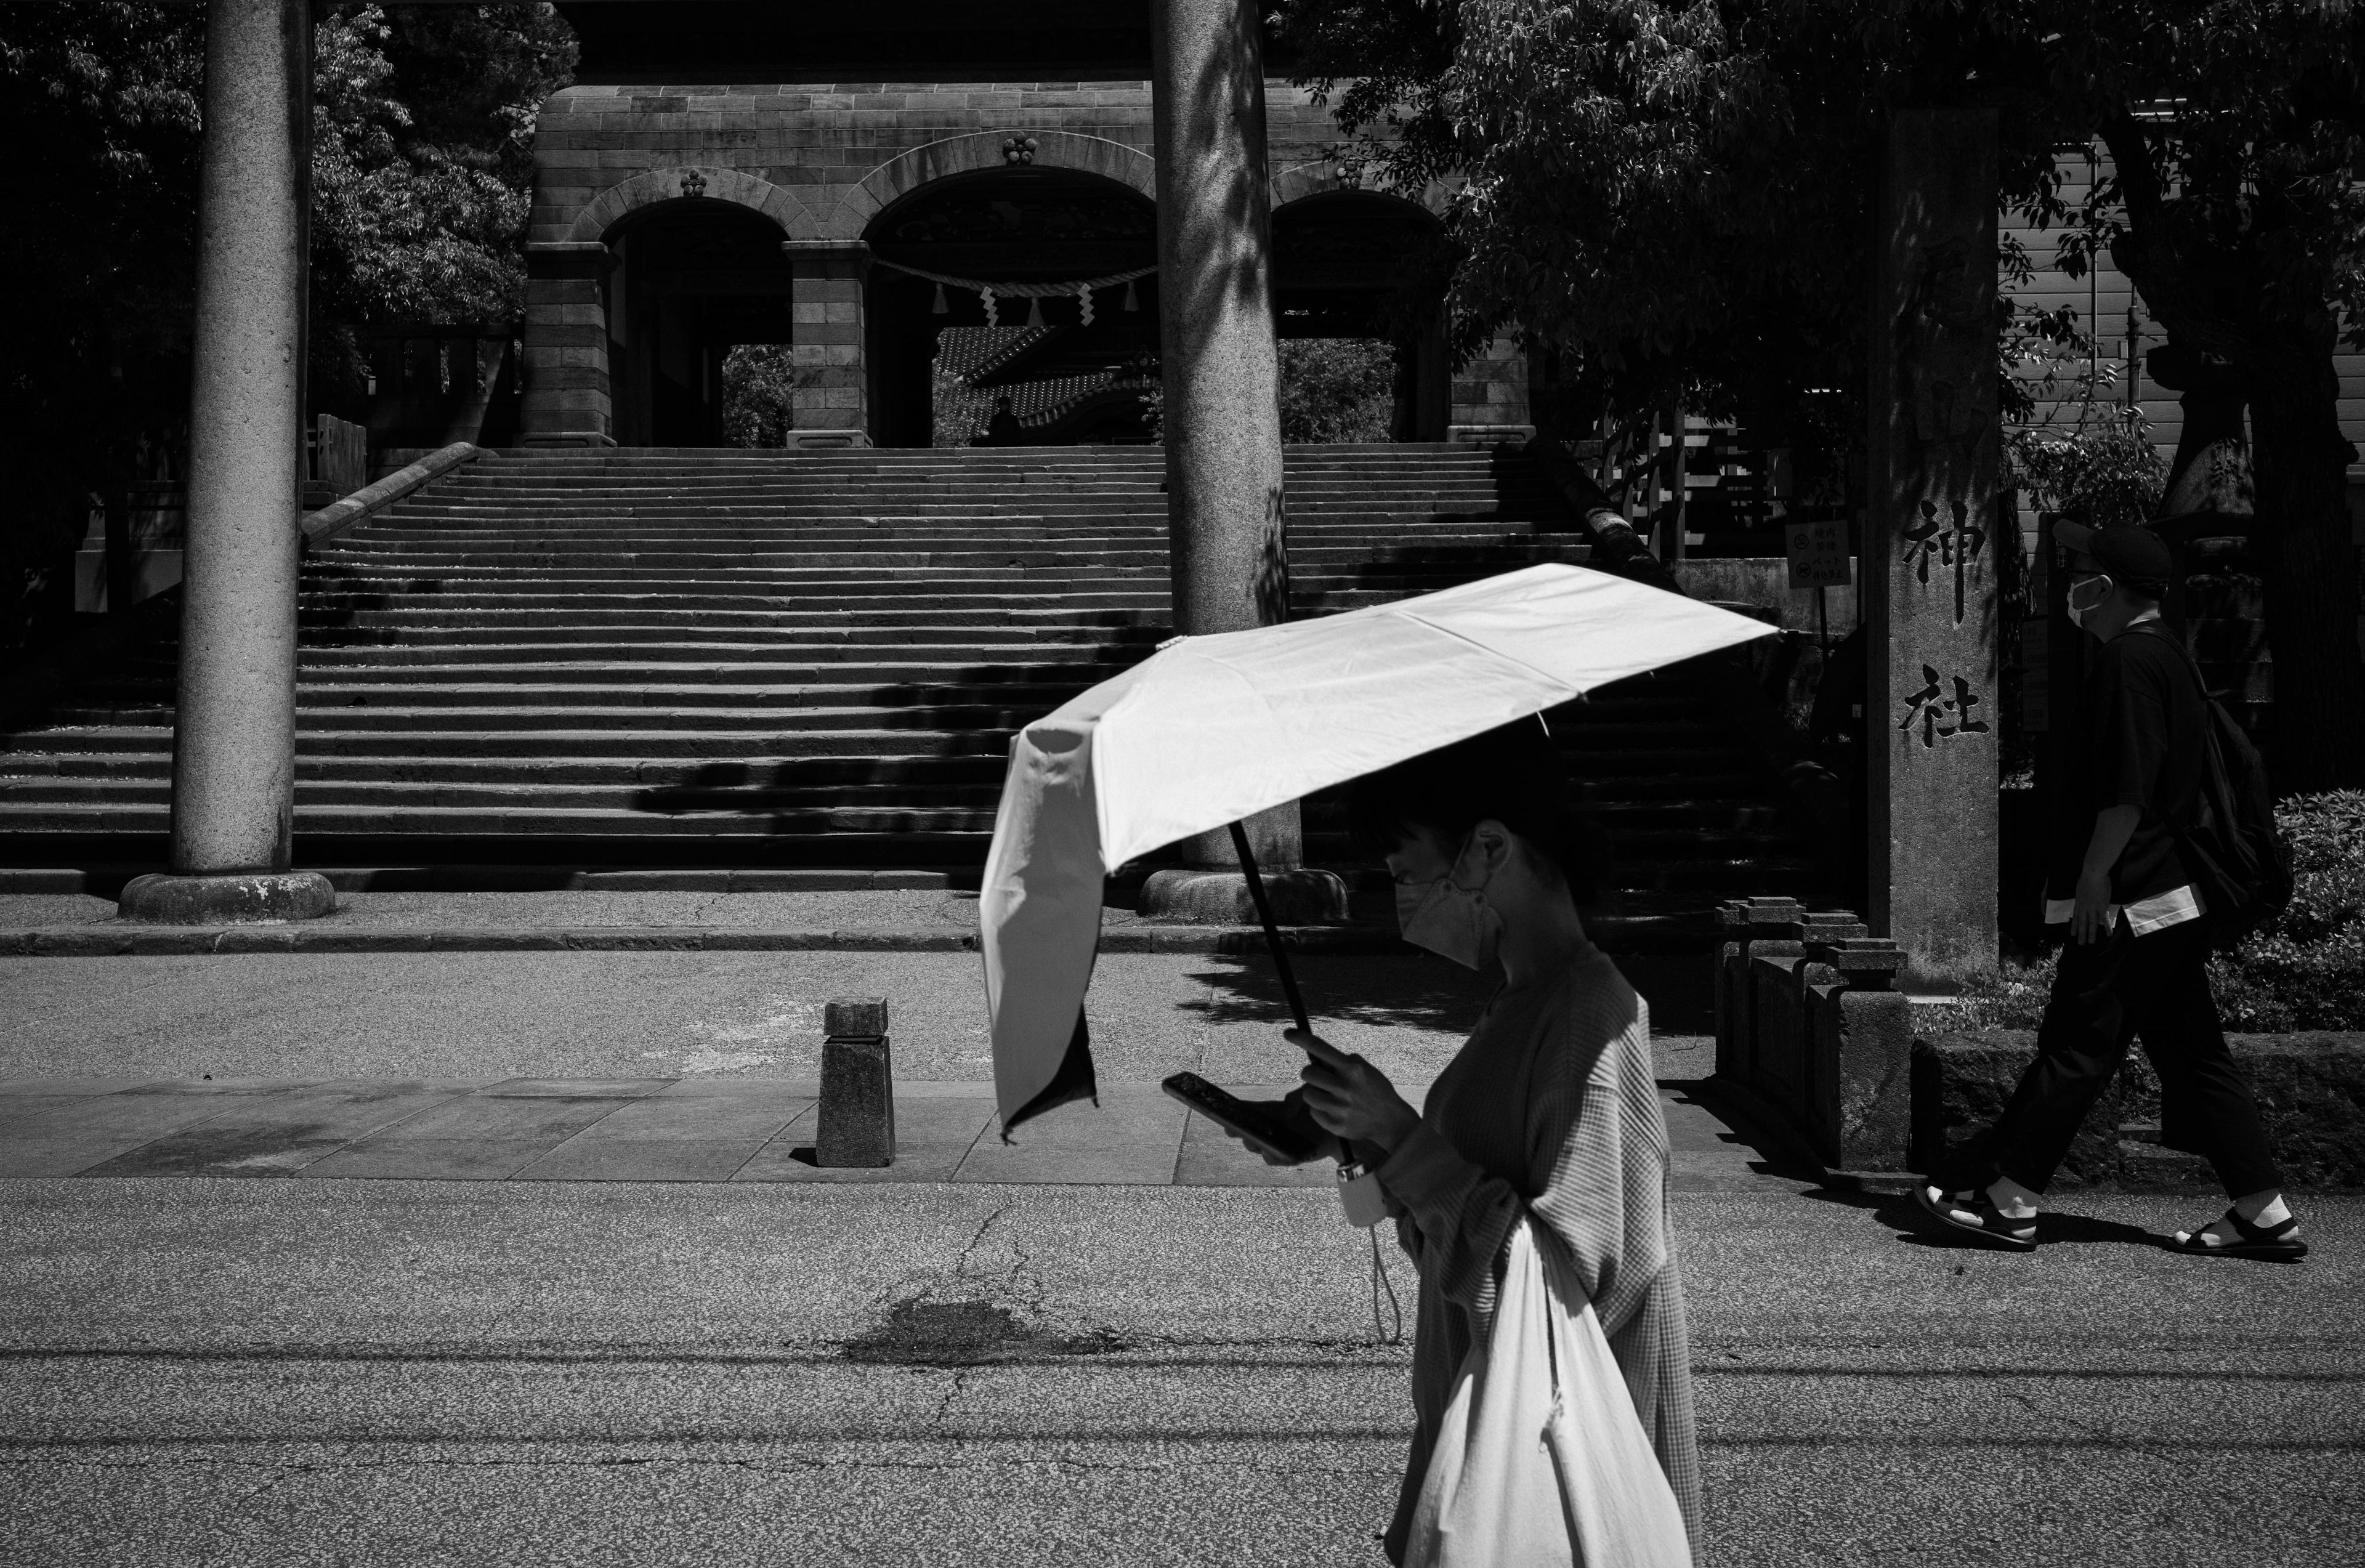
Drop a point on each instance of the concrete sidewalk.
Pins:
(668, 1014)
(734, 1129)
(872, 920)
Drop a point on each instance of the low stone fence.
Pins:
(2310, 1088)
(1808, 1025)
(1809, 1029)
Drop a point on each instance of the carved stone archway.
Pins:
(1321, 178)
(735, 186)
(902, 175)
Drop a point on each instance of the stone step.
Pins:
(633, 570)
(823, 506)
(1143, 602)
(833, 649)
(517, 678)
(661, 639)
(953, 835)
(429, 747)
(597, 615)
(817, 547)
(878, 653)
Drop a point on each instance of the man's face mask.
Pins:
(1450, 920)
(2087, 595)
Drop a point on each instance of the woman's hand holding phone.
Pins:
(1290, 1112)
(1350, 1098)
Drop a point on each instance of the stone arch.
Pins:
(734, 186)
(1320, 177)
(906, 173)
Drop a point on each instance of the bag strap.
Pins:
(2210, 750)
(2160, 632)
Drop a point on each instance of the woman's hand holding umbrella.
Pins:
(1350, 1098)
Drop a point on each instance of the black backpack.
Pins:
(2240, 861)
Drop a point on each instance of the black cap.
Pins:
(2128, 550)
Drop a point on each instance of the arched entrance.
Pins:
(1063, 378)
(688, 281)
(1346, 265)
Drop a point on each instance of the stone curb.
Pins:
(521, 879)
(110, 940)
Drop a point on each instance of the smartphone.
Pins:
(1255, 1124)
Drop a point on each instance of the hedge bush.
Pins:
(2304, 971)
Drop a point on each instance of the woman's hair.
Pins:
(1512, 774)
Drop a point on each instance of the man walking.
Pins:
(2134, 963)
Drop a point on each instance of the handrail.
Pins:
(338, 515)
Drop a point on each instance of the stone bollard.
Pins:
(857, 1086)
(1779, 974)
(1860, 1059)
(1747, 924)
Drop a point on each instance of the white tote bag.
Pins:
(1541, 1460)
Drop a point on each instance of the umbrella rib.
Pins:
(1492, 652)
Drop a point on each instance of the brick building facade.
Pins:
(671, 221)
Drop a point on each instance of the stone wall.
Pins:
(2310, 1087)
(1490, 396)
(822, 159)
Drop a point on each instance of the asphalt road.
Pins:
(205, 1373)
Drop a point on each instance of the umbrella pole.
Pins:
(1272, 930)
(1358, 1190)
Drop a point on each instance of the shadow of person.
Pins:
(1901, 1214)
(2053, 1228)
(1419, 993)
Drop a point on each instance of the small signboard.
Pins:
(1819, 553)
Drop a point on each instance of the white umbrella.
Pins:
(1213, 729)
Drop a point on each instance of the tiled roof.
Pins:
(972, 353)
(1039, 403)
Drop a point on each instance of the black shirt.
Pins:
(2143, 722)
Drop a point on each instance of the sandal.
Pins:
(2273, 1243)
(1987, 1223)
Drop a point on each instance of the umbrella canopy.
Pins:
(1212, 729)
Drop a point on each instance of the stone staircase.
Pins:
(675, 658)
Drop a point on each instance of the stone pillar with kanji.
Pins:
(1929, 548)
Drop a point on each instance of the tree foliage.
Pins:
(424, 125)
(100, 101)
(2107, 472)
(759, 383)
(1669, 194)
(1671, 197)
(1337, 389)
(423, 163)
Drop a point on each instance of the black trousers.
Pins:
(2155, 988)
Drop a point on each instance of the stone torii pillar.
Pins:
(234, 729)
(1927, 561)
(1227, 509)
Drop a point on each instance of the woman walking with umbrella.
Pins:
(1531, 1191)
(1550, 1112)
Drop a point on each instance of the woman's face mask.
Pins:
(2087, 595)
(1451, 921)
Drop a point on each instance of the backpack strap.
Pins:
(2210, 751)
(2161, 633)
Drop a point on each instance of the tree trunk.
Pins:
(2215, 296)
(2304, 544)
